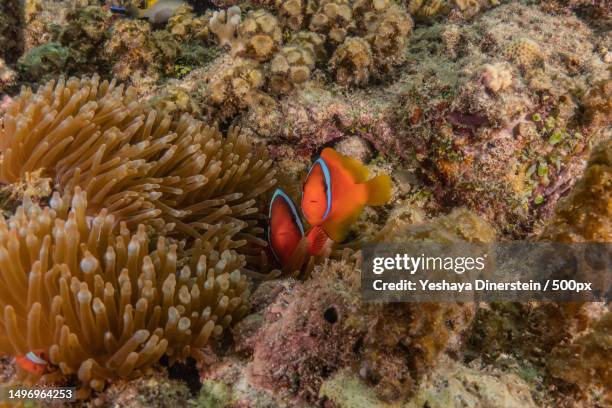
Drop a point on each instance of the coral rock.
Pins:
(585, 215)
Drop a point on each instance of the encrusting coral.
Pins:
(100, 304)
(140, 164)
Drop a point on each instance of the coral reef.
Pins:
(352, 62)
(586, 360)
(306, 332)
(100, 304)
(585, 214)
(46, 62)
(233, 85)
(259, 36)
(225, 23)
(484, 126)
(11, 34)
(7, 76)
(134, 50)
(141, 165)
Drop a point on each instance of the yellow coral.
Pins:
(101, 304)
(585, 215)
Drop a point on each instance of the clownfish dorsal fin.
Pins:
(355, 167)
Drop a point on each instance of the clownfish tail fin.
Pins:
(379, 190)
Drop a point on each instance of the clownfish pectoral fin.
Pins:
(355, 167)
(317, 238)
(285, 231)
(338, 228)
(378, 190)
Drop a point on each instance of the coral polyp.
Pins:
(101, 304)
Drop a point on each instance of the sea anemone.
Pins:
(99, 303)
(142, 165)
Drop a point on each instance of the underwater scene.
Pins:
(194, 196)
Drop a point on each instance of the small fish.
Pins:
(34, 362)
(160, 11)
(286, 235)
(337, 189)
(156, 11)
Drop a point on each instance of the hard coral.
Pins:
(233, 86)
(11, 35)
(586, 361)
(7, 76)
(291, 66)
(525, 53)
(496, 77)
(84, 32)
(425, 10)
(133, 49)
(387, 33)
(334, 19)
(352, 62)
(100, 304)
(225, 23)
(144, 166)
(184, 25)
(259, 36)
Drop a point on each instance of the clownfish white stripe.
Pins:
(35, 359)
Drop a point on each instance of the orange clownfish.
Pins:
(337, 189)
(286, 235)
(34, 362)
